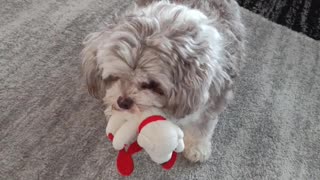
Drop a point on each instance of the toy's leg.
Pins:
(197, 139)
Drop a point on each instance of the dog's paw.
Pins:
(197, 151)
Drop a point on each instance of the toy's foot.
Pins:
(197, 151)
(134, 148)
(168, 165)
(125, 163)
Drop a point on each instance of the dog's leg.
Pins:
(198, 133)
(197, 139)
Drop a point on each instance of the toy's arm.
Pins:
(180, 146)
(114, 123)
(125, 134)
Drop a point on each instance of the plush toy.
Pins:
(132, 132)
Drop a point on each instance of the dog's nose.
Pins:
(125, 103)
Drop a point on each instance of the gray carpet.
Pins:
(300, 15)
(52, 129)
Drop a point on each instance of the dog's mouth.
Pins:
(115, 108)
(134, 110)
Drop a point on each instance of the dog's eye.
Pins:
(111, 79)
(153, 86)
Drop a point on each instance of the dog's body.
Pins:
(179, 58)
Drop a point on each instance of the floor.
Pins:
(299, 15)
(51, 129)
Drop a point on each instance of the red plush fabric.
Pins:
(168, 165)
(125, 163)
(110, 137)
(149, 120)
(134, 148)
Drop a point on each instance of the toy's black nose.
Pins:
(125, 103)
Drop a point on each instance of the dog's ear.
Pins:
(191, 90)
(90, 68)
(197, 74)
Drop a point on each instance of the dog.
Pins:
(181, 57)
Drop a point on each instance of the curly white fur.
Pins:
(190, 52)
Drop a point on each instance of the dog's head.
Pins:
(162, 55)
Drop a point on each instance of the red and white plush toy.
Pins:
(148, 130)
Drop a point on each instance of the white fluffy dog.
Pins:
(180, 57)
